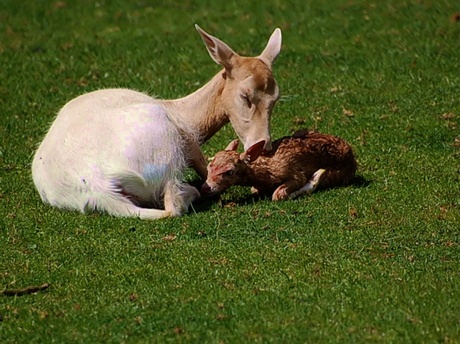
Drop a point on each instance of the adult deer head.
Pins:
(250, 90)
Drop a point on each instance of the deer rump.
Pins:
(306, 152)
(296, 165)
(110, 157)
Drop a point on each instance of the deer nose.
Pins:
(267, 147)
(205, 189)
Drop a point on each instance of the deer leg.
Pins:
(178, 198)
(255, 191)
(310, 186)
(284, 190)
(197, 161)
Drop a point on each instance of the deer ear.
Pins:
(272, 49)
(253, 152)
(220, 52)
(233, 146)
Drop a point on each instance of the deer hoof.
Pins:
(280, 194)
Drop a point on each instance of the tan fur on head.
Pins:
(223, 172)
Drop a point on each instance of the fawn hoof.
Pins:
(280, 194)
(315, 179)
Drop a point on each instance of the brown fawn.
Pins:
(296, 165)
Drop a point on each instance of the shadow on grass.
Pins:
(360, 182)
(206, 203)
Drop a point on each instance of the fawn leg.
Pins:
(310, 186)
(284, 190)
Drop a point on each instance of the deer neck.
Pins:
(259, 173)
(247, 175)
(202, 112)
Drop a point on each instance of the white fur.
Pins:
(105, 140)
(122, 151)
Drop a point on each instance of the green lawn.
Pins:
(378, 261)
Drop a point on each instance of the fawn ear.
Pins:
(220, 52)
(233, 146)
(253, 152)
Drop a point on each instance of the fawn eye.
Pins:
(229, 173)
(246, 99)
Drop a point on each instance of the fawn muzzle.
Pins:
(207, 190)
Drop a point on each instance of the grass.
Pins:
(374, 262)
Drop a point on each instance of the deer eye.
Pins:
(246, 99)
(229, 173)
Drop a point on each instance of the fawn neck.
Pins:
(247, 175)
(258, 172)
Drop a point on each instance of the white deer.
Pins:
(123, 152)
